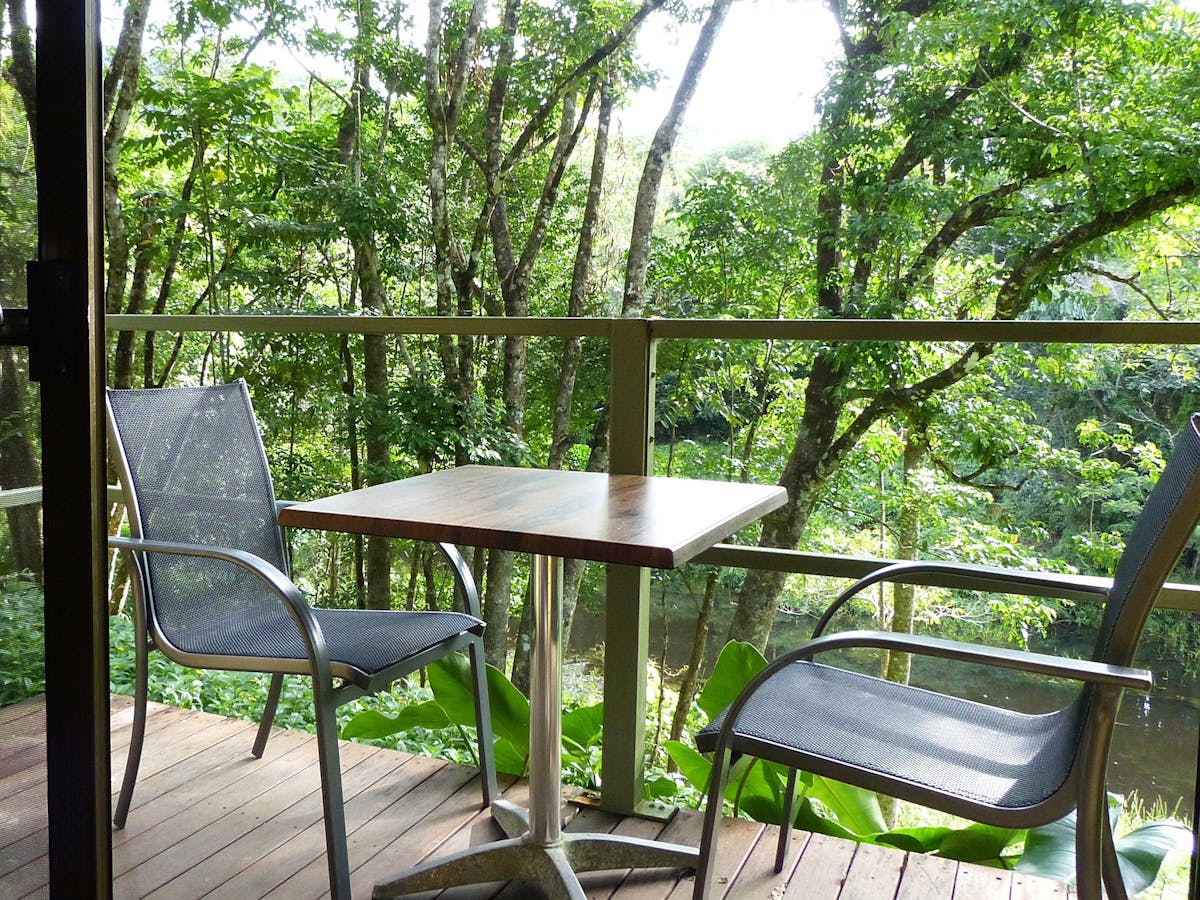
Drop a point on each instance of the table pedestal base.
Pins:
(551, 866)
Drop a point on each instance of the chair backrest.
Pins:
(194, 472)
(1154, 545)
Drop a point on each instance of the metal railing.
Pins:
(633, 344)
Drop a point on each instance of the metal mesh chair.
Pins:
(210, 574)
(982, 762)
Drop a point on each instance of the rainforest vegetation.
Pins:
(982, 160)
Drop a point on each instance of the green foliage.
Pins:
(1050, 850)
(22, 655)
(453, 706)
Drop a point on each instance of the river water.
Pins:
(1154, 748)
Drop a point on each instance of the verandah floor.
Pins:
(208, 820)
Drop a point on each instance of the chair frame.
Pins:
(327, 696)
(1102, 683)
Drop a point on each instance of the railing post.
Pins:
(627, 605)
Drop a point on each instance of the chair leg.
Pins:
(134, 757)
(268, 716)
(785, 826)
(1114, 883)
(1089, 828)
(329, 763)
(712, 817)
(483, 723)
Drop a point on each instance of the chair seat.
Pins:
(809, 715)
(365, 641)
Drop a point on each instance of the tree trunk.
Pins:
(898, 666)
(690, 676)
(646, 206)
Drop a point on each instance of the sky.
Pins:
(766, 67)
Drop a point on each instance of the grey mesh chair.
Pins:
(212, 591)
(982, 762)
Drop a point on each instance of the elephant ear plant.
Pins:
(452, 706)
(756, 790)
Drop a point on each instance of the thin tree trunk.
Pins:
(908, 541)
(646, 206)
(690, 676)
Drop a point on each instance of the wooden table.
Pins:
(625, 519)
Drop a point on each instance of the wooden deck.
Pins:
(210, 821)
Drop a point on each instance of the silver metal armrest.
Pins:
(991, 578)
(463, 579)
(1085, 670)
(276, 580)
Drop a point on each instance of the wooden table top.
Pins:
(627, 519)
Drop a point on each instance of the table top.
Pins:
(627, 519)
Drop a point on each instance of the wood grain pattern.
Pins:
(625, 519)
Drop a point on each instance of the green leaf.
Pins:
(692, 764)
(915, 840)
(1141, 851)
(810, 818)
(371, 723)
(583, 725)
(509, 760)
(856, 809)
(737, 664)
(1050, 851)
(510, 711)
(978, 843)
(453, 689)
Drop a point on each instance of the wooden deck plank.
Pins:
(397, 835)
(271, 832)
(927, 876)
(213, 769)
(874, 873)
(308, 844)
(209, 820)
(1029, 887)
(191, 836)
(822, 870)
(982, 883)
(758, 877)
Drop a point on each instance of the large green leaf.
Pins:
(978, 843)
(737, 664)
(1141, 851)
(583, 726)
(509, 760)
(855, 808)
(810, 818)
(371, 723)
(453, 689)
(510, 711)
(693, 765)
(1050, 851)
(915, 840)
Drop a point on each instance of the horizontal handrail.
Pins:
(965, 330)
(1184, 597)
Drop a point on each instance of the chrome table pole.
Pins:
(536, 849)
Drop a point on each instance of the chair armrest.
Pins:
(276, 580)
(1085, 670)
(464, 581)
(988, 577)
